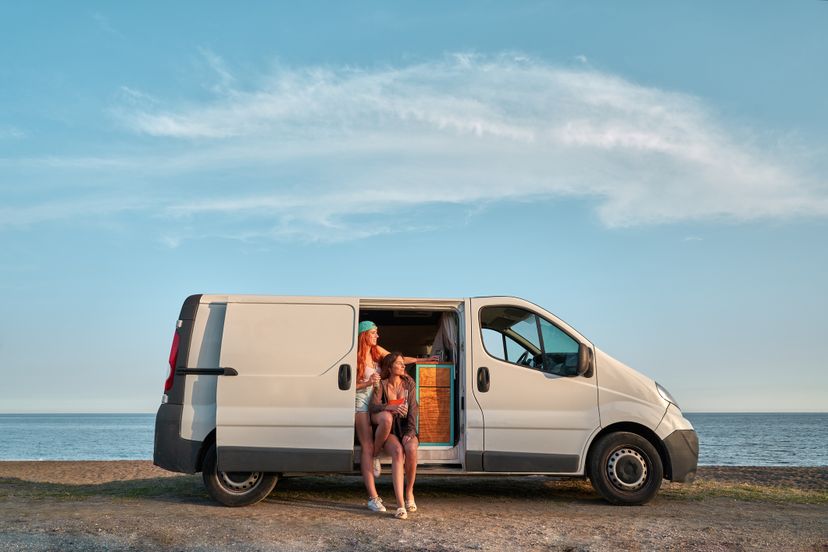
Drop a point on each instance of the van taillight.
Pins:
(173, 359)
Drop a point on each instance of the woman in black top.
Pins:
(394, 409)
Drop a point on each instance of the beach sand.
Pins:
(133, 505)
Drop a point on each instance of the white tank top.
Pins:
(370, 370)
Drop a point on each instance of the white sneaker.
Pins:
(377, 467)
(375, 504)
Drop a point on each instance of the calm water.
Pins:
(762, 439)
(726, 439)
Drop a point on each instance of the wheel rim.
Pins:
(627, 469)
(239, 482)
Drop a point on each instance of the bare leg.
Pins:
(411, 446)
(383, 420)
(366, 443)
(395, 450)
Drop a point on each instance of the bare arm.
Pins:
(376, 401)
(417, 360)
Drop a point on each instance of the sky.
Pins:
(654, 173)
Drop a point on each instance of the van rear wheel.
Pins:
(235, 488)
(625, 468)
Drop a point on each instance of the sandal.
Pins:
(411, 505)
(401, 514)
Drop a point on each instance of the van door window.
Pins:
(521, 337)
(560, 352)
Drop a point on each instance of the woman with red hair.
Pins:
(368, 379)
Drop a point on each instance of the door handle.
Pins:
(483, 379)
(345, 377)
(207, 371)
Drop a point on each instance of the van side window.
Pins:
(521, 337)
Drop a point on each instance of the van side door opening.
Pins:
(422, 331)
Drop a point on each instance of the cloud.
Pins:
(8, 132)
(225, 79)
(103, 22)
(310, 152)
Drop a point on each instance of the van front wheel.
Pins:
(235, 488)
(625, 468)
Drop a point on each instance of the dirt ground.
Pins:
(136, 506)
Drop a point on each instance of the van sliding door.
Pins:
(284, 409)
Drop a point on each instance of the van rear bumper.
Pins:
(683, 447)
(171, 452)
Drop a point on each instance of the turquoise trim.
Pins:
(449, 367)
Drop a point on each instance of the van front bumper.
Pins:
(171, 452)
(683, 448)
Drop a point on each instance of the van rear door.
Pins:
(281, 405)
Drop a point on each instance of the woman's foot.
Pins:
(411, 505)
(375, 504)
(377, 466)
(401, 514)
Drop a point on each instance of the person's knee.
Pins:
(411, 450)
(383, 419)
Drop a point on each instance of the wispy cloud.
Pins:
(225, 79)
(310, 151)
(103, 23)
(8, 132)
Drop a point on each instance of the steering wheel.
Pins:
(523, 359)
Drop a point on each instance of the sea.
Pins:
(729, 439)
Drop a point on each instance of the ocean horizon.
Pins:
(797, 439)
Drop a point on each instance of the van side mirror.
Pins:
(584, 361)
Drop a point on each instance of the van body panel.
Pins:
(672, 421)
(288, 355)
(533, 421)
(625, 395)
(198, 418)
(474, 412)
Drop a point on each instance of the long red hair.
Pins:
(362, 347)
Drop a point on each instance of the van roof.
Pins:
(394, 302)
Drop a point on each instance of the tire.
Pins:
(235, 488)
(625, 468)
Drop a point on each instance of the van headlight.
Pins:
(666, 395)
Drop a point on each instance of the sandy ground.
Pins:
(136, 506)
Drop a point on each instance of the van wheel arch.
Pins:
(235, 488)
(638, 429)
(205, 446)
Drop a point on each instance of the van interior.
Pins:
(425, 333)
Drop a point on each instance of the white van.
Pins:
(261, 386)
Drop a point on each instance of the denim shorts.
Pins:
(363, 398)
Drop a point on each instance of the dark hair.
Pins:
(387, 362)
